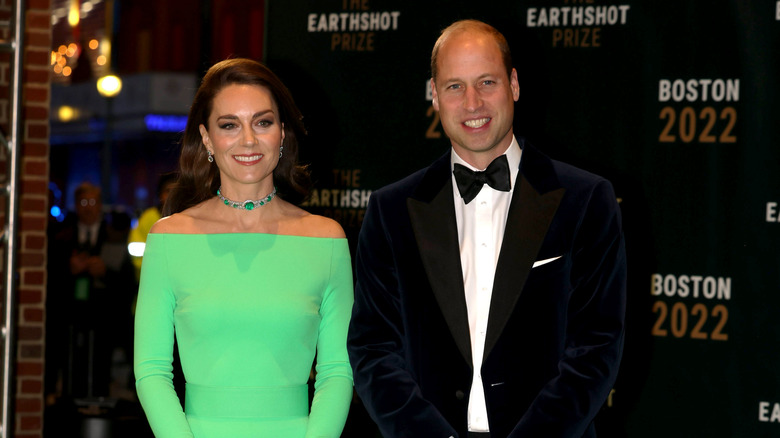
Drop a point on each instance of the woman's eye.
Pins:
(227, 126)
(265, 123)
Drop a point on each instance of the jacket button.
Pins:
(459, 394)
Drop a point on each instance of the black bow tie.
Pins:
(470, 182)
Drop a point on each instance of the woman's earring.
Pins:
(210, 157)
(281, 148)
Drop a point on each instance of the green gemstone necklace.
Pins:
(248, 204)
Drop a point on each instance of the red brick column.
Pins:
(33, 139)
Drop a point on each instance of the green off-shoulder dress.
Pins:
(249, 312)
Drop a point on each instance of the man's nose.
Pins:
(471, 99)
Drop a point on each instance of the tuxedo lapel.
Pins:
(432, 213)
(529, 217)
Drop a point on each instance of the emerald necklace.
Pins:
(248, 204)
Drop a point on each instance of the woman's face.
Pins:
(244, 133)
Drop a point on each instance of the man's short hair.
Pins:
(472, 25)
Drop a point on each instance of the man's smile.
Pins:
(477, 123)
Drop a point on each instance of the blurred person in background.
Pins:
(137, 240)
(91, 287)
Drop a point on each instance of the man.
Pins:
(90, 290)
(484, 312)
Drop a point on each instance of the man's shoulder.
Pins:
(570, 174)
(583, 186)
(546, 173)
(432, 175)
(402, 187)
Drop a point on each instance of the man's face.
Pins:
(89, 207)
(474, 96)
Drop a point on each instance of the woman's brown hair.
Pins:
(198, 178)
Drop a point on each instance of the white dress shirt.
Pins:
(481, 225)
(88, 234)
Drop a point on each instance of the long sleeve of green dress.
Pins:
(249, 313)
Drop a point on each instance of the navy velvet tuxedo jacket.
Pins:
(555, 330)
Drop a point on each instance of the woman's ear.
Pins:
(204, 136)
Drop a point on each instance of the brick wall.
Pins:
(33, 203)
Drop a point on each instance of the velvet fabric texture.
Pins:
(555, 329)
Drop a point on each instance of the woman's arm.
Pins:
(154, 336)
(333, 386)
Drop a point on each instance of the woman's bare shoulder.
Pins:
(170, 224)
(303, 223)
(188, 221)
(321, 226)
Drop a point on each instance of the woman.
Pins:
(253, 288)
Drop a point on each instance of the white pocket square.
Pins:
(545, 261)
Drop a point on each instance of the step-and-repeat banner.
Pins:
(676, 102)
